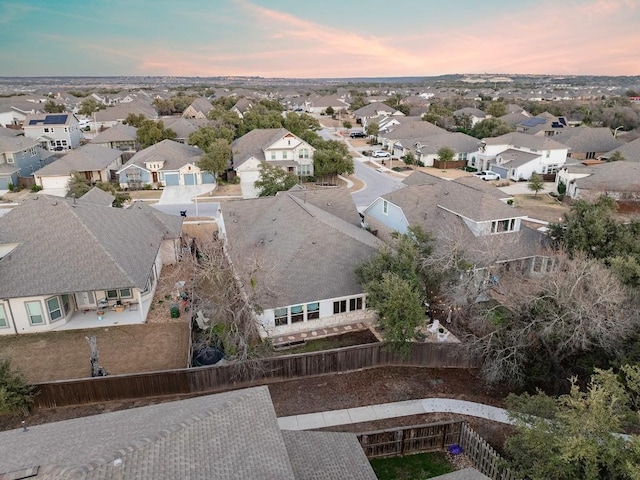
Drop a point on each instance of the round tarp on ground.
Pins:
(207, 356)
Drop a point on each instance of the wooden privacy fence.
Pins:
(213, 379)
(435, 437)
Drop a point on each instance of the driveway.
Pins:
(182, 194)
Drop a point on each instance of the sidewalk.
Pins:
(371, 413)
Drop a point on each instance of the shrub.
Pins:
(510, 201)
(35, 188)
(562, 188)
(16, 395)
(147, 186)
(420, 163)
(10, 186)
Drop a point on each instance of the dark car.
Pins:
(358, 135)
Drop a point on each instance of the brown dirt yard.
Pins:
(541, 207)
(160, 344)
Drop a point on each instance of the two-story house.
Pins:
(53, 131)
(199, 108)
(463, 217)
(516, 156)
(275, 146)
(19, 157)
(166, 163)
(119, 137)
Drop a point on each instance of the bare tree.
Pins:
(550, 320)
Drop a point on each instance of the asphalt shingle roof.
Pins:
(233, 435)
(88, 158)
(67, 248)
(588, 139)
(310, 254)
(15, 144)
(118, 133)
(174, 155)
(622, 176)
(630, 151)
(252, 144)
(97, 196)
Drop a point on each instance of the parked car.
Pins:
(487, 175)
(358, 135)
(380, 154)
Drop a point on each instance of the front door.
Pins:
(154, 177)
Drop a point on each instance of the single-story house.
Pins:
(166, 163)
(619, 180)
(93, 162)
(302, 260)
(630, 151)
(96, 257)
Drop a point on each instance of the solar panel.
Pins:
(55, 119)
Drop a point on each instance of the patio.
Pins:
(109, 317)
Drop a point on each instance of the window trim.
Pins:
(51, 311)
(29, 313)
(280, 314)
(4, 321)
(385, 207)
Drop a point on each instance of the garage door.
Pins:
(171, 179)
(4, 183)
(207, 178)
(55, 182)
(189, 178)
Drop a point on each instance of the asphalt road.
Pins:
(377, 184)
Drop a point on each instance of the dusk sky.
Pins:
(310, 38)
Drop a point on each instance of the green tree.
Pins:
(273, 179)
(331, 159)
(496, 109)
(347, 124)
(616, 156)
(88, 106)
(151, 132)
(216, 157)
(52, 107)
(464, 122)
(113, 189)
(329, 110)
(372, 129)
(446, 154)
(490, 127)
(135, 120)
(16, 395)
(298, 124)
(399, 309)
(575, 436)
(535, 184)
(78, 185)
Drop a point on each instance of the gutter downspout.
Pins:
(15, 329)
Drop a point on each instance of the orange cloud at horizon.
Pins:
(585, 37)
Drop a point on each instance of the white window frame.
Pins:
(59, 311)
(4, 323)
(385, 207)
(31, 314)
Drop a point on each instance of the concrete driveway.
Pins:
(183, 193)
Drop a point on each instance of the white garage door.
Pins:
(50, 183)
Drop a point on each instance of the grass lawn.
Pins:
(411, 467)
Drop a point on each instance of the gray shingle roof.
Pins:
(518, 139)
(118, 133)
(326, 456)
(97, 196)
(337, 201)
(476, 112)
(588, 139)
(310, 254)
(65, 248)
(516, 158)
(412, 131)
(619, 176)
(119, 112)
(630, 151)
(174, 155)
(252, 144)
(15, 144)
(201, 105)
(459, 142)
(88, 158)
(233, 435)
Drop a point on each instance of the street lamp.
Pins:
(615, 132)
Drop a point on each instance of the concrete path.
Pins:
(371, 413)
(183, 193)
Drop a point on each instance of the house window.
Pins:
(46, 130)
(537, 264)
(591, 155)
(303, 153)
(66, 303)
(125, 293)
(284, 155)
(548, 154)
(3, 318)
(313, 311)
(304, 170)
(339, 306)
(54, 308)
(112, 294)
(281, 317)
(385, 207)
(462, 156)
(10, 158)
(273, 155)
(500, 226)
(297, 313)
(355, 304)
(34, 312)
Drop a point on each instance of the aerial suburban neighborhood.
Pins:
(296, 275)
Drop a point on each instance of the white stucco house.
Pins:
(516, 156)
(275, 146)
(97, 258)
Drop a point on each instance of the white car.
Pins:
(487, 175)
(380, 154)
